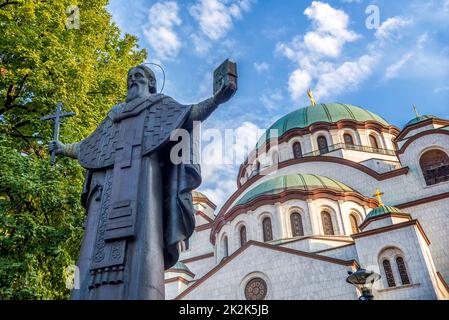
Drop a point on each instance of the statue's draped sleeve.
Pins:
(178, 179)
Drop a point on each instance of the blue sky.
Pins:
(284, 47)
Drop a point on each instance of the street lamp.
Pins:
(364, 281)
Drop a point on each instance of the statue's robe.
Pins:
(138, 203)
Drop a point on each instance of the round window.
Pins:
(256, 289)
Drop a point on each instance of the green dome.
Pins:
(329, 112)
(381, 211)
(293, 182)
(420, 119)
(180, 266)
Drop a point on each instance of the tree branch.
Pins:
(8, 2)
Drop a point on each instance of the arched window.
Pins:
(373, 142)
(389, 273)
(348, 139)
(402, 271)
(326, 219)
(225, 247)
(435, 166)
(322, 145)
(242, 235)
(267, 230)
(257, 167)
(297, 151)
(296, 223)
(354, 224)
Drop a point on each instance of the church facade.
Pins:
(306, 211)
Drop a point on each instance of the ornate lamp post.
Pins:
(364, 281)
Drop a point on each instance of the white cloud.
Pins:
(163, 18)
(215, 168)
(330, 29)
(261, 67)
(272, 100)
(329, 35)
(318, 53)
(394, 69)
(298, 83)
(345, 77)
(389, 29)
(216, 18)
(441, 89)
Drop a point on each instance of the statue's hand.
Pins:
(57, 146)
(225, 93)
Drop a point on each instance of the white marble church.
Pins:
(304, 213)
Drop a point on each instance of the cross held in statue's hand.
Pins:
(57, 119)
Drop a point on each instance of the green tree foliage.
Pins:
(43, 62)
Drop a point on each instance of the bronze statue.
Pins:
(138, 202)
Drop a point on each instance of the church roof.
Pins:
(197, 194)
(293, 181)
(420, 119)
(323, 112)
(379, 211)
(180, 266)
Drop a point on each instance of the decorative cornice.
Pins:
(419, 135)
(176, 279)
(204, 200)
(286, 195)
(203, 227)
(335, 248)
(201, 257)
(423, 200)
(418, 125)
(443, 281)
(187, 272)
(224, 262)
(349, 163)
(203, 215)
(393, 227)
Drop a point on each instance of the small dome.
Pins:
(329, 112)
(420, 119)
(180, 266)
(293, 182)
(381, 211)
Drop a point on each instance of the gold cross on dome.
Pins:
(379, 195)
(312, 99)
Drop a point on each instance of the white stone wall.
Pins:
(343, 252)
(317, 244)
(407, 240)
(289, 277)
(201, 267)
(434, 218)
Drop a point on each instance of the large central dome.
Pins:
(323, 112)
(293, 181)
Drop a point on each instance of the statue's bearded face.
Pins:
(138, 84)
